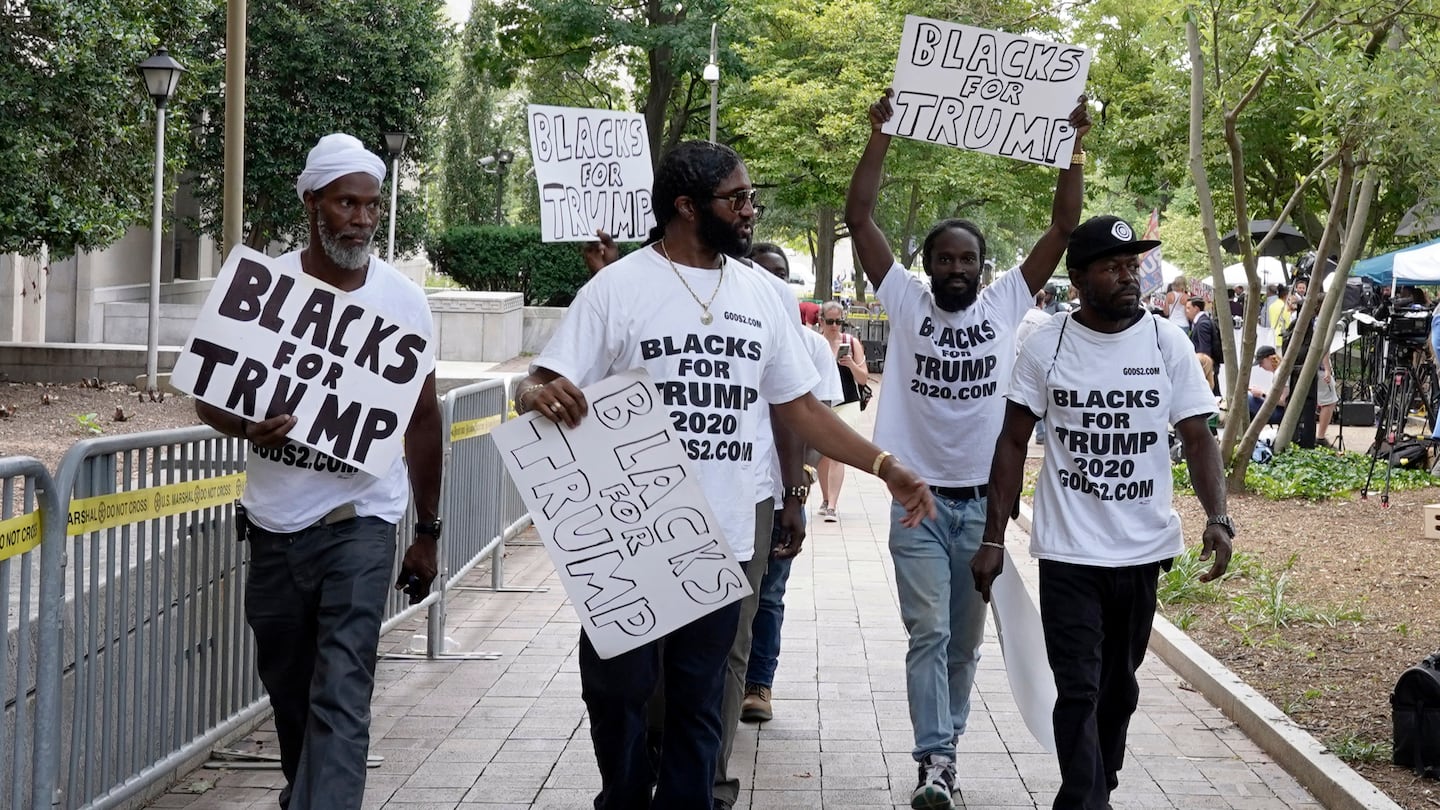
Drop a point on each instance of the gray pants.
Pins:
(727, 788)
(314, 600)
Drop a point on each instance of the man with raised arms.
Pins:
(949, 357)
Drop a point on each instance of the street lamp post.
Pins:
(496, 164)
(395, 145)
(161, 74)
(712, 76)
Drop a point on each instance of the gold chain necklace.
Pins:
(705, 316)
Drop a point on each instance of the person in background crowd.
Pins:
(663, 308)
(1262, 378)
(849, 355)
(322, 537)
(1175, 303)
(1279, 314)
(951, 346)
(764, 653)
(1205, 337)
(1101, 556)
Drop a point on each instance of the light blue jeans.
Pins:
(944, 617)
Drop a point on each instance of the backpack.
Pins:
(1408, 452)
(1415, 704)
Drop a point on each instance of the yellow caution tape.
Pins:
(19, 535)
(470, 428)
(122, 508)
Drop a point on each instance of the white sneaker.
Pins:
(937, 783)
(829, 515)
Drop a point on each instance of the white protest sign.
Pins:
(987, 91)
(593, 169)
(273, 341)
(1022, 645)
(621, 512)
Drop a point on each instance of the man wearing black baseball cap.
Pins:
(1109, 379)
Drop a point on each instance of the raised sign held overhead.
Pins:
(273, 341)
(987, 91)
(594, 172)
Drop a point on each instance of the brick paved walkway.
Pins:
(512, 733)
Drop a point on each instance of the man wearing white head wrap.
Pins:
(323, 533)
(335, 156)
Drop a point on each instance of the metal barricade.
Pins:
(32, 528)
(162, 663)
(478, 503)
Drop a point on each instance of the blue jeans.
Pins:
(769, 617)
(944, 617)
(314, 599)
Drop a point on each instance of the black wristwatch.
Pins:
(800, 493)
(431, 528)
(1224, 522)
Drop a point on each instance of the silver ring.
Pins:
(555, 407)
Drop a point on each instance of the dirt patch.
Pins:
(45, 420)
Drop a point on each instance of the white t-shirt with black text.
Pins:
(292, 487)
(1104, 493)
(714, 380)
(943, 404)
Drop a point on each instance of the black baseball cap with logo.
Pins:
(1104, 236)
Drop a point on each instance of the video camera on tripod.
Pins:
(1406, 325)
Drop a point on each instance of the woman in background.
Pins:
(849, 355)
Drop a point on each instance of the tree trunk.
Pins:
(908, 235)
(662, 81)
(825, 220)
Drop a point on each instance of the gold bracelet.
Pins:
(1077, 159)
(879, 461)
(520, 406)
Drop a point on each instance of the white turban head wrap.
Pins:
(335, 156)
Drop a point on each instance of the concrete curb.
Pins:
(1333, 783)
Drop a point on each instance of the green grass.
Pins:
(1354, 748)
(1315, 475)
(1258, 598)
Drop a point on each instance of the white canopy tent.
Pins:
(1270, 269)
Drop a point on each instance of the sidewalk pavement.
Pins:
(512, 733)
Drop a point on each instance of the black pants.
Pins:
(616, 691)
(315, 600)
(1097, 624)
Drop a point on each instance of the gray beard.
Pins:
(356, 258)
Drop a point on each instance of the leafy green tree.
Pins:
(315, 67)
(78, 134)
(579, 52)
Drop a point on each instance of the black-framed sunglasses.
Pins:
(834, 321)
(739, 198)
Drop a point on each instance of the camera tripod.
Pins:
(1410, 384)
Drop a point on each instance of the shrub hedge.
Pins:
(501, 257)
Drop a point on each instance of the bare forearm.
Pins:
(791, 449)
(228, 423)
(1207, 474)
(1007, 470)
(818, 427)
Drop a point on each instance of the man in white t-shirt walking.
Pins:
(1110, 380)
(950, 350)
(322, 533)
(720, 345)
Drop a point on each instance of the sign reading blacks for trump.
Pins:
(987, 91)
(273, 341)
(622, 515)
(594, 172)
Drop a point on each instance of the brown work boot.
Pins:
(756, 706)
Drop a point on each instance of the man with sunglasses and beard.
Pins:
(322, 541)
(950, 350)
(1110, 379)
(720, 345)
